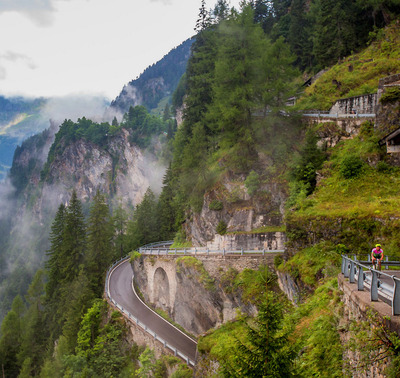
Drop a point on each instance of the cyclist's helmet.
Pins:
(378, 245)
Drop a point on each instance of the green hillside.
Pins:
(357, 74)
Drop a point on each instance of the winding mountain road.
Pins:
(121, 291)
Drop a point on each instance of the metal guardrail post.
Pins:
(360, 279)
(184, 251)
(223, 251)
(351, 276)
(396, 297)
(242, 252)
(343, 263)
(374, 286)
(346, 268)
(386, 259)
(208, 251)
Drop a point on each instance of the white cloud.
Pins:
(39, 11)
(74, 107)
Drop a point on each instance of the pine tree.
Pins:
(54, 254)
(35, 330)
(166, 211)
(11, 338)
(220, 11)
(99, 248)
(265, 351)
(203, 21)
(299, 34)
(144, 228)
(334, 33)
(74, 240)
(119, 221)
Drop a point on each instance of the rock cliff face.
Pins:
(119, 169)
(237, 210)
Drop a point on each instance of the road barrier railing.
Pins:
(322, 114)
(367, 277)
(204, 251)
(135, 320)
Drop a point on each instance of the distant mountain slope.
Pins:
(19, 119)
(156, 82)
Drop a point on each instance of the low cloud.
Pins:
(39, 12)
(74, 107)
(14, 57)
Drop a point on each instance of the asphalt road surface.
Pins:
(120, 285)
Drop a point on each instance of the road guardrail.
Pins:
(366, 276)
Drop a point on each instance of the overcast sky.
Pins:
(68, 47)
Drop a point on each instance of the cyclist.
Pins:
(377, 256)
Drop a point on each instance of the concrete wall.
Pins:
(266, 240)
(365, 104)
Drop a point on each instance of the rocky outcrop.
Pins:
(231, 204)
(119, 169)
(288, 285)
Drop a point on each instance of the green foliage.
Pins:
(143, 125)
(390, 95)
(252, 183)
(135, 255)
(221, 228)
(352, 75)
(351, 167)
(264, 350)
(144, 226)
(99, 247)
(314, 263)
(305, 165)
(150, 367)
(216, 205)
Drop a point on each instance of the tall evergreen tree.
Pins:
(11, 333)
(119, 221)
(299, 34)
(35, 330)
(99, 248)
(265, 351)
(74, 240)
(144, 228)
(334, 34)
(166, 210)
(203, 20)
(54, 254)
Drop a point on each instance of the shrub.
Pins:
(221, 228)
(216, 205)
(390, 95)
(252, 183)
(383, 167)
(351, 167)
